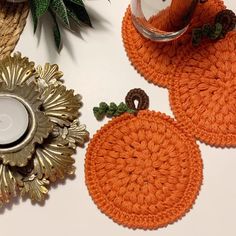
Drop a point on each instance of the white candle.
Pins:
(14, 120)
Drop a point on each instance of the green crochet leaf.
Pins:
(216, 32)
(59, 8)
(111, 111)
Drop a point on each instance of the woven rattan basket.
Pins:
(12, 21)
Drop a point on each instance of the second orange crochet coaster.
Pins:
(143, 170)
(203, 92)
(156, 61)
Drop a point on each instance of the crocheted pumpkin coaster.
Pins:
(143, 171)
(156, 61)
(203, 92)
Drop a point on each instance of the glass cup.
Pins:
(162, 20)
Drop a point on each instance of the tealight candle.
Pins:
(14, 120)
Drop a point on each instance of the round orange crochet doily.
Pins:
(143, 171)
(203, 92)
(156, 61)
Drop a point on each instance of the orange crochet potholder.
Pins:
(143, 170)
(156, 61)
(203, 92)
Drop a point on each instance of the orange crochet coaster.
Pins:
(203, 92)
(156, 61)
(143, 170)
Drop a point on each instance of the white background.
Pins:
(96, 66)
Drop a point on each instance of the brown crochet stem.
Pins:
(227, 19)
(12, 21)
(137, 95)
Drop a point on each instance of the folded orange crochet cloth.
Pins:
(156, 61)
(143, 171)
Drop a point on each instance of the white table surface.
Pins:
(96, 66)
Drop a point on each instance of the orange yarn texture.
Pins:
(143, 171)
(156, 61)
(203, 92)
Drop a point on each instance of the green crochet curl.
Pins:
(111, 110)
(212, 32)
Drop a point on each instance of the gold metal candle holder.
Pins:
(43, 152)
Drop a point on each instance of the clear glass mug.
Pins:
(162, 20)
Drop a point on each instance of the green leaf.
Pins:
(79, 13)
(38, 9)
(59, 8)
(57, 36)
(33, 13)
(78, 2)
(73, 16)
(41, 7)
(56, 32)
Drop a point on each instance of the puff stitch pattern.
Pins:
(143, 171)
(203, 92)
(156, 61)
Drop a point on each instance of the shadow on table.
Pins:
(17, 200)
(45, 26)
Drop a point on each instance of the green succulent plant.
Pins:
(62, 11)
